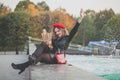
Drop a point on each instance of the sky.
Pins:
(73, 6)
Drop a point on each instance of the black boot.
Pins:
(21, 66)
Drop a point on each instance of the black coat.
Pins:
(61, 44)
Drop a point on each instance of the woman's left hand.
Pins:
(81, 15)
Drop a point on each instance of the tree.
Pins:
(3, 38)
(27, 6)
(15, 29)
(4, 9)
(60, 16)
(101, 19)
(33, 10)
(86, 31)
(111, 29)
(22, 5)
(42, 20)
(43, 5)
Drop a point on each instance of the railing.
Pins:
(11, 52)
(74, 46)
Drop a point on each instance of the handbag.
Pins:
(60, 57)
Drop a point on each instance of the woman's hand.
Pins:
(48, 42)
(81, 16)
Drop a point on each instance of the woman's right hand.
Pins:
(47, 42)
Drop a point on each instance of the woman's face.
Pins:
(58, 32)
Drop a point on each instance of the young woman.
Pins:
(59, 43)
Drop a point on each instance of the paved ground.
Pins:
(7, 72)
(41, 71)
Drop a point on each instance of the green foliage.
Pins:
(112, 29)
(43, 5)
(4, 9)
(14, 29)
(22, 5)
(101, 19)
(86, 30)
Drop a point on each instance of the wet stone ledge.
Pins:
(60, 72)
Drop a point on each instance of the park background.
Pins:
(28, 18)
(21, 20)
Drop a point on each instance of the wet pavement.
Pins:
(60, 72)
(41, 71)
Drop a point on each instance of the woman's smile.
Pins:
(58, 32)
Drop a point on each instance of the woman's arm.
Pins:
(75, 28)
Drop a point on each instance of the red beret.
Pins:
(59, 25)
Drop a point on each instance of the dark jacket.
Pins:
(60, 45)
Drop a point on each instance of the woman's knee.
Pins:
(33, 59)
(43, 58)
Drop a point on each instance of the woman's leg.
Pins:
(42, 48)
(45, 58)
(21, 66)
(34, 58)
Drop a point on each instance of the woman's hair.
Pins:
(65, 32)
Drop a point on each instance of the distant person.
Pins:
(118, 45)
(60, 42)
